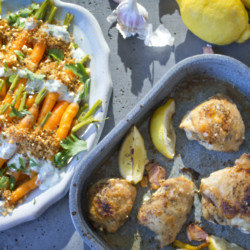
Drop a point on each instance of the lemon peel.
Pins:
(219, 22)
(133, 157)
(162, 131)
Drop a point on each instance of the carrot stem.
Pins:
(67, 20)
(92, 110)
(2, 82)
(85, 59)
(42, 10)
(45, 119)
(84, 123)
(41, 95)
(52, 14)
(14, 83)
(17, 96)
(4, 108)
(23, 101)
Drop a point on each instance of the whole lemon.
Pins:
(216, 21)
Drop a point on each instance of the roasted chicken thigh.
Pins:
(216, 124)
(110, 203)
(167, 210)
(226, 195)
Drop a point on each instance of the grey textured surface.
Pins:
(134, 70)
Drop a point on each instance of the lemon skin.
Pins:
(219, 22)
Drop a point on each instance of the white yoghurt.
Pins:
(56, 31)
(78, 54)
(7, 150)
(30, 23)
(48, 175)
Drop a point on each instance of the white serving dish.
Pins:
(88, 35)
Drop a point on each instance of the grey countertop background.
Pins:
(134, 69)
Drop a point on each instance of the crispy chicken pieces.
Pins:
(216, 124)
(226, 195)
(110, 203)
(167, 210)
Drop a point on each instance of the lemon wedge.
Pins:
(162, 131)
(133, 157)
(217, 243)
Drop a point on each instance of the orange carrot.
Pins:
(48, 104)
(19, 176)
(66, 121)
(3, 88)
(23, 189)
(38, 52)
(30, 100)
(29, 120)
(19, 42)
(56, 116)
(2, 161)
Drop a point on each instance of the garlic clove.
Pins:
(159, 38)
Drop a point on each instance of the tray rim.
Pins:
(117, 133)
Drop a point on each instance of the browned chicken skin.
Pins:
(110, 203)
(216, 124)
(167, 210)
(226, 195)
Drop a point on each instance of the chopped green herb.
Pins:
(13, 19)
(12, 182)
(29, 11)
(75, 45)
(56, 54)
(34, 201)
(5, 67)
(15, 113)
(33, 163)
(4, 182)
(79, 70)
(19, 54)
(12, 78)
(22, 162)
(32, 76)
(72, 145)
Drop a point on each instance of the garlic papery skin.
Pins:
(131, 19)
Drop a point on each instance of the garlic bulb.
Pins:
(132, 20)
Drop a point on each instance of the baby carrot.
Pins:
(2, 161)
(48, 104)
(3, 88)
(56, 116)
(30, 100)
(23, 189)
(38, 52)
(66, 121)
(19, 42)
(29, 120)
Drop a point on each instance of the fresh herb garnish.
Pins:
(72, 145)
(33, 163)
(4, 182)
(32, 76)
(15, 113)
(75, 45)
(19, 54)
(12, 182)
(56, 54)
(79, 70)
(34, 201)
(12, 78)
(29, 11)
(13, 19)
(5, 67)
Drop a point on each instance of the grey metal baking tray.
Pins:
(189, 82)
